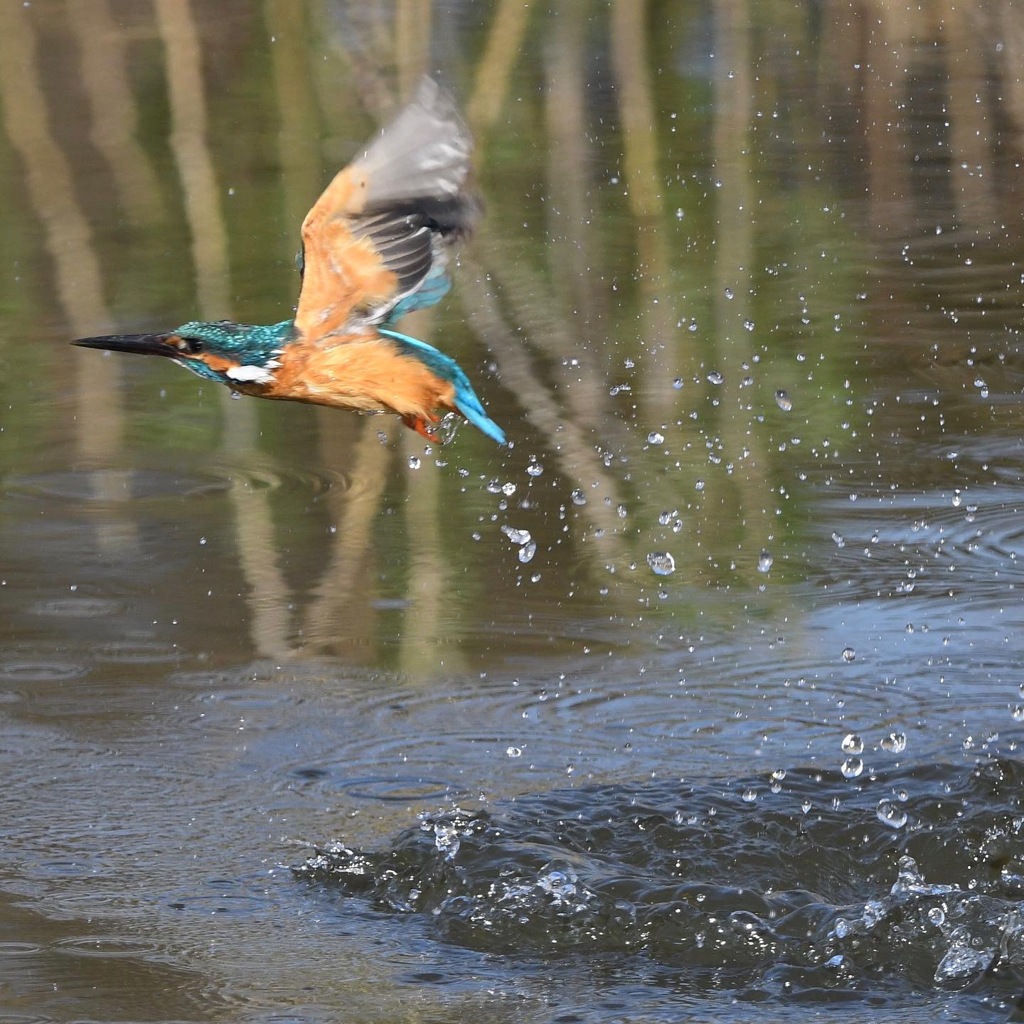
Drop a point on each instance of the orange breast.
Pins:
(366, 372)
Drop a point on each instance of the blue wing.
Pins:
(434, 287)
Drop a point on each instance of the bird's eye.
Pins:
(188, 346)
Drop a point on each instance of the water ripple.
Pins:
(76, 607)
(111, 486)
(39, 670)
(115, 487)
(936, 543)
(257, 472)
(107, 946)
(137, 652)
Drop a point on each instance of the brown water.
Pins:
(746, 295)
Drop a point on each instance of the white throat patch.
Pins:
(250, 374)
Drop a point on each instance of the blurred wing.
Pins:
(373, 245)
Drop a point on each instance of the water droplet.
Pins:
(937, 915)
(716, 377)
(535, 469)
(446, 839)
(678, 383)
(513, 752)
(414, 462)
(749, 796)
(851, 767)
(891, 814)
(729, 293)
(849, 654)
(764, 561)
(783, 401)
(699, 485)
(578, 497)
(895, 742)
(516, 536)
(852, 744)
(508, 489)
(661, 563)
(527, 551)
(655, 438)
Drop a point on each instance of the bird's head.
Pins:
(232, 354)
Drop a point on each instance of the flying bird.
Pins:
(374, 247)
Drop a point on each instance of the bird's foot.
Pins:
(423, 426)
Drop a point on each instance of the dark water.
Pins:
(702, 700)
(755, 889)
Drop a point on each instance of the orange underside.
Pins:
(367, 372)
(422, 426)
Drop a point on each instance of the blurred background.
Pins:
(745, 300)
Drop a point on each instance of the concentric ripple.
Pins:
(29, 669)
(111, 486)
(107, 487)
(931, 543)
(77, 607)
(257, 472)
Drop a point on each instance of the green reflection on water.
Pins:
(676, 233)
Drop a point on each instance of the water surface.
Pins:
(702, 699)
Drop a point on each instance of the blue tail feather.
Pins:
(447, 369)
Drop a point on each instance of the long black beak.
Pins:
(144, 344)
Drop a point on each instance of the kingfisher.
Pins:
(374, 247)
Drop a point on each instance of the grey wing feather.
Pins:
(403, 241)
(416, 172)
(422, 154)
